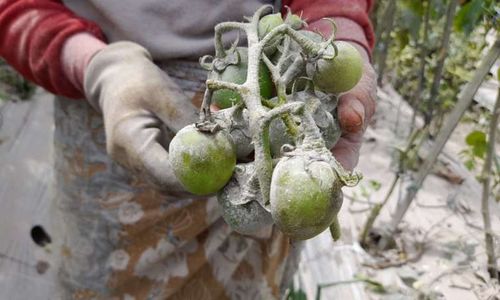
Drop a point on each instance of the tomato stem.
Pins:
(222, 28)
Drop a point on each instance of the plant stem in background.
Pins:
(403, 162)
(376, 211)
(384, 38)
(443, 53)
(456, 114)
(380, 27)
(486, 179)
(421, 74)
(375, 16)
(372, 284)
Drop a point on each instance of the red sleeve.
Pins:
(32, 35)
(355, 10)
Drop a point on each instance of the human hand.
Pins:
(142, 108)
(357, 106)
(355, 110)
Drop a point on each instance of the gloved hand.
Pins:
(142, 108)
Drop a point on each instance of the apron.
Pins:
(121, 239)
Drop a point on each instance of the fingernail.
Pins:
(353, 116)
(358, 109)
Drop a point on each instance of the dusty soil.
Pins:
(439, 251)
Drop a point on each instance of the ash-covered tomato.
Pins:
(203, 162)
(341, 73)
(304, 196)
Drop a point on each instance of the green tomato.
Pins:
(246, 218)
(341, 73)
(279, 136)
(225, 98)
(304, 196)
(268, 23)
(203, 162)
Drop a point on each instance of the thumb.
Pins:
(351, 114)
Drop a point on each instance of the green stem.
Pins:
(291, 128)
(219, 85)
(281, 83)
(326, 285)
(312, 136)
(443, 53)
(335, 231)
(385, 39)
(288, 108)
(296, 69)
(486, 181)
(415, 100)
(222, 28)
(375, 212)
(267, 103)
(263, 161)
(205, 105)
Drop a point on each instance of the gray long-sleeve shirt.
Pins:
(169, 29)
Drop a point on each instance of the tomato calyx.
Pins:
(233, 58)
(208, 126)
(219, 64)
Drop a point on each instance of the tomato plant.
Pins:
(292, 179)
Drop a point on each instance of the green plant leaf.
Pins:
(373, 285)
(297, 295)
(402, 37)
(469, 164)
(468, 16)
(375, 185)
(477, 140)
(438, 8)
(411, 12)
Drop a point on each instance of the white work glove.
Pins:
(142, 109)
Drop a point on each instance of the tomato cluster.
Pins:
(266, 152)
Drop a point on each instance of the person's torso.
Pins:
(169, 29)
